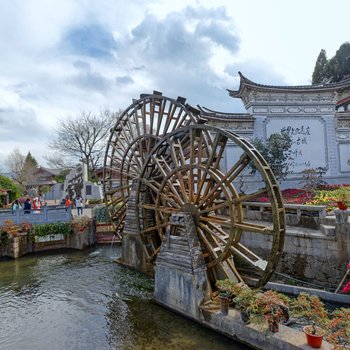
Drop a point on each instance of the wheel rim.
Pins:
(183, 173)
(131, 140)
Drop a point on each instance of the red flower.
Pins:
(348, 265)
(346, 288)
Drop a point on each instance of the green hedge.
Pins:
(63, 228)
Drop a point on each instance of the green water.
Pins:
(83, 300)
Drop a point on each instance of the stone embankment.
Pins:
(316, 247)
(23, 244)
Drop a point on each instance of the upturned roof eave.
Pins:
(207, 113)
(246, 83)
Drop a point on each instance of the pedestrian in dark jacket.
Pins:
(27, 206)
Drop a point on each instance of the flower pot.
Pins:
(245, 316)
(314, 340)
(273, 325)
(342, 206)
(224, 304)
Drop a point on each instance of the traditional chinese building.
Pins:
(316, 116)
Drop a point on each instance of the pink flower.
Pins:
(348, 265)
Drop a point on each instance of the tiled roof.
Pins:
(50, 171)
(343, 101)
(245, 82)
(207, 113)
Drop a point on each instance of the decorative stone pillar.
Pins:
(181, 282)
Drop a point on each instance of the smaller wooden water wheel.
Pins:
(183, 173)
(132, 138)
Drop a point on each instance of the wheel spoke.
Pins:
(246, 197)
(235, 170)
(247, 226)
(249, 257)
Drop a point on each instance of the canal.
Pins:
(83, 300)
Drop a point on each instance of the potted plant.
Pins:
(272, 308)
(314, 335)
(225, 294)
(228, 289)
(244, 302)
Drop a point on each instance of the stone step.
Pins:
(177, 251)
(174, 261)
(329, 220)
(178, 241)
(179, 247)
(327, 230)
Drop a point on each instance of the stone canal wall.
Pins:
(23, 244)
(316, 248)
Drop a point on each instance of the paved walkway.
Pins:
(86, 212)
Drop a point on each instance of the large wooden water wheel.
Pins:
(135, 133)
(183, 173)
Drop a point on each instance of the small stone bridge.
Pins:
(46, 215)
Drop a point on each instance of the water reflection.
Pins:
(83, 300)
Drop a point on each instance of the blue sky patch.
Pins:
(90, 40)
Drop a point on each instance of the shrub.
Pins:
(42, 230)
(313, 178)
(339, 328)
(101, 213)
(80, 223)
(311, 308)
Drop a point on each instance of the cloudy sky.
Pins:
(59, 58)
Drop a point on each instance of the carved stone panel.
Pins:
(344, 153)
(343, 123)
(309, 140)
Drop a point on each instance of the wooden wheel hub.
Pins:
(193, 210)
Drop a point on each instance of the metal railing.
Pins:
(44, 215)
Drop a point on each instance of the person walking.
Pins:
(79, 205)
(27, 206)
(67, 203)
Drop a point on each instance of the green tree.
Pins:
(29, 167)
(277, 152)
(339, 65)
(334, 69)
(8, 184)
(61, 176)
(319, 74)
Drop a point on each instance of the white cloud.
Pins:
(60, 58)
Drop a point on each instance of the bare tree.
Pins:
(83, 137)
(15, 163)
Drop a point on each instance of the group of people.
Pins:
(35, 205)
(28, 205)
(78, 202)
